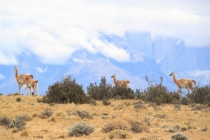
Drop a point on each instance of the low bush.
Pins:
(65, 91)
(84, 114)
(126, 124)
(18, 99)
(24, 117)
(200, 95)
(81, 129)
(46, 114)
(18, 122)
(120, 134)
(106, 91)
(179, 136)
(4, 120)
(124, 93)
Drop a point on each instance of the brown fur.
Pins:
(120, 82)
(183, 83)
(22, 78)
(32, 84)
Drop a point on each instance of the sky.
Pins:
(55, 30)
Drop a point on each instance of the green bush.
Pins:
(65, 91)
(199, 95)
(106, 91)
(100, 92)
(18, 99)
(158, 94)
(124, 93)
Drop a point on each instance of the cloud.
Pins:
(40, 70)
(54, 30)
(2, 76)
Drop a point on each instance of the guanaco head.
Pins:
(15, 68)
(128, 82)
(113, 76)
(171, 74)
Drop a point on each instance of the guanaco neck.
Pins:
(16, 72)
(174, 79)
(114, 80)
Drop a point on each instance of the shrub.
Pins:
(208, 100)
(115, 124)
(16, 94)
(127, 124)
(124, 93)
(199, 94)
(65, 91)
(106, 102)
(185, 101)
(18, 99)
(204, 129)
(84, 114)
(177, 107)
(81, 129)
(120, 134)
(24, 134)
(179, 136)
(106, 91)
(4, 120)
(139, 106)
(39, 100)
(100, 92)
(174, 129)
(158, 94)
(24, 117)
(18, 123)
(46, 114)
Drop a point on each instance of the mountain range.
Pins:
(152, 57)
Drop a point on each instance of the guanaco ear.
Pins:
(31, 76)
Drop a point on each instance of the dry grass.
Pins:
(194, 123)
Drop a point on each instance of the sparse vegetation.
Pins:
(127, 124)
(4, 120)
(200, 95)
(18, 99)
(106, 91)
(84, 114)
(120, 134)
(46, 114)
(178, 136)
(115, 113)
(18, 122)
(80, 129)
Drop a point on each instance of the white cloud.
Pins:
(40, 70)
(2, 76)
(82, 60)
(54, 30)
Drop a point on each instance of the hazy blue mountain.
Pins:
(154, 58)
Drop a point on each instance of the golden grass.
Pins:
(119, 112)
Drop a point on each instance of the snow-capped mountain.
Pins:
(154, 58)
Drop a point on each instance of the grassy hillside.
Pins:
(117, 120)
